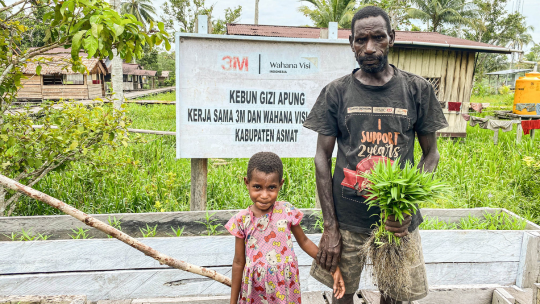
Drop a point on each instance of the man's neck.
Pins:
(375, 79)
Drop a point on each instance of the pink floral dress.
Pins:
(271, 271)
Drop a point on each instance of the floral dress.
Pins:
(271, 271)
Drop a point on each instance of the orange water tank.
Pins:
(527, 95)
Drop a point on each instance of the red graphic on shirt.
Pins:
(257, 256)
(354, 180)
(270, 236)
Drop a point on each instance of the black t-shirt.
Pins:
(371, 122)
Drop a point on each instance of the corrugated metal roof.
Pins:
(143, 73)
(58, 64)
(506, 72)
(402, 37)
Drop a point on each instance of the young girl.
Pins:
(265, 268)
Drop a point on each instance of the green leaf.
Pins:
(76, 44)
(38, 69)
(161, 26)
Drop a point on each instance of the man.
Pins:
(373, 113)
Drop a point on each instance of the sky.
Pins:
(285, 12)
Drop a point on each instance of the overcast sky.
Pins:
(285, 12)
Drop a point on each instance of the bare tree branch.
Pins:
(12, 5)
(92, 222)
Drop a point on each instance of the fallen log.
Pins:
(92, 222)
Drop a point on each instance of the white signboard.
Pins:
(238, 95)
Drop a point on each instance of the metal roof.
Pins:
(403, 38)
(506, 72)
(60, 64)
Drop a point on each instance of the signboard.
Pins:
(239, 95)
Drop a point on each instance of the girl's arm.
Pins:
(238, 269)
(304, 242)
(310, 248)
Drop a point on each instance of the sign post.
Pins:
(199, 166)
(239, 95)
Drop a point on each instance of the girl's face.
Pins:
(263, 189)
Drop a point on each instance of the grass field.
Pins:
(146, 177)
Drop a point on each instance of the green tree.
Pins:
(149, 59)
(397, 11)
(494, 25)
(534, 54)
(184, 14)
(31, 147)
(231, 16)
(143, 10)
(437, 13)
(326, 11)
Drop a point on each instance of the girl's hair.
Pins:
(266, 162)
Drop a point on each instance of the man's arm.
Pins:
(430, 154)
(330, 247)
(428, 163)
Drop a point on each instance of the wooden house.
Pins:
(164, 76)
(448, 63)
(58, 81)
(135, 77)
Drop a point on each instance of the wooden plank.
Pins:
(469, 246)
(431, 67)
(152, 132)
(315, 297)
(463, 84)
(419, 59)
(524, 295)
(396, 56)
(528, 260)
(407, 60)
(536, 293)
(199, 180)
(152, 283)
(402, 58)
(190, 300)
(413, 54)
(501, 296)
(391, 55)
(465, 294)
(496, 137)
(61, 226)
(452, 58)
(469, 78)
(31, 299)
(444, 67)
(455, 84)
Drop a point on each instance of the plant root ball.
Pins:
(392, 264)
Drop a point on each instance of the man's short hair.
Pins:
(266, 162)
(371, 11)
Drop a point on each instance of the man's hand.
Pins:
(399, 230)
(329, 249)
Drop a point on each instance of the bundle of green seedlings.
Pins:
(397, 191)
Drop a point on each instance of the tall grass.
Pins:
(146, 177)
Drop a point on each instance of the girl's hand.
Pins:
(339, 284)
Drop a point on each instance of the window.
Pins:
(74, 79)
(55, 79)
(435, 82)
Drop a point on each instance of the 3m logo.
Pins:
(234, 63)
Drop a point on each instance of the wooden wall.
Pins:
(94, 91)
(455, 68)
(33, 88)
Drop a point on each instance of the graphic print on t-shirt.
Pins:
(375, 136)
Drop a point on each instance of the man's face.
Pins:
(371, 43)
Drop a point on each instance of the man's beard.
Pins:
(382, 59)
